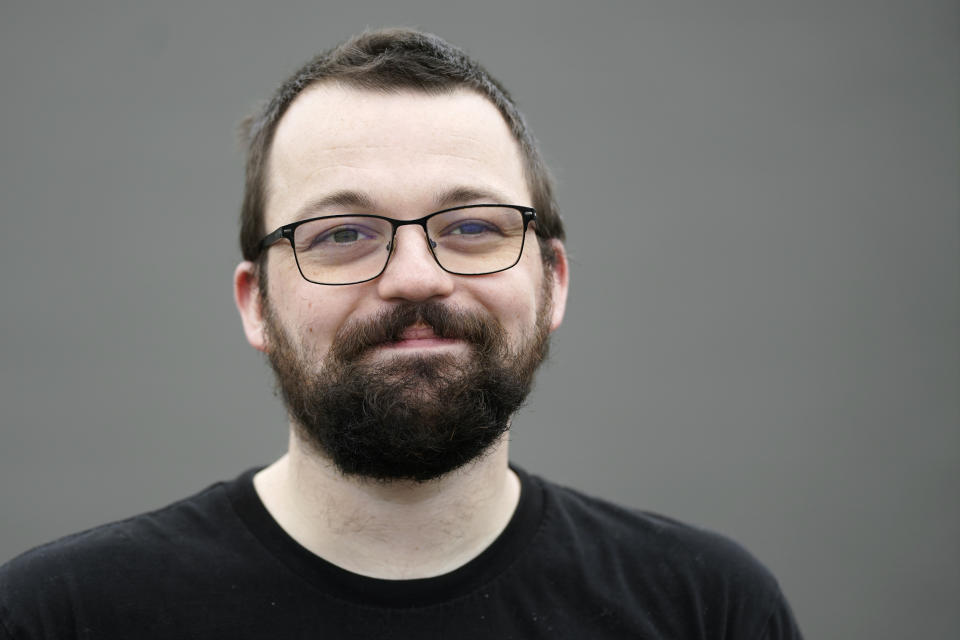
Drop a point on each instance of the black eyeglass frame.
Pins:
(529, 215)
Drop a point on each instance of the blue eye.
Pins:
(472, 228)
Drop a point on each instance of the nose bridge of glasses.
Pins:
(419, 222)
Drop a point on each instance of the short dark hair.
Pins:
(388, 60)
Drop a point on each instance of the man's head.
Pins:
(416, 372)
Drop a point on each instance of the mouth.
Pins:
(420, 337)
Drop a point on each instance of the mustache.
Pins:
(388, 325)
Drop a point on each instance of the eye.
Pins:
(471, 228)
(342, 235)
(345, 235)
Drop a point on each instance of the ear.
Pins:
(246, 295)
(561, 283)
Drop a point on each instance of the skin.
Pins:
(402, 155)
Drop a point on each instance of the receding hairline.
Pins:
(348, 85)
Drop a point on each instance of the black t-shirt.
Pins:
(216, 565)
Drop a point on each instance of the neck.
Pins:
(394, 530)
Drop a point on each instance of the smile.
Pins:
(421, 337)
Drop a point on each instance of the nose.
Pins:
(412, 273)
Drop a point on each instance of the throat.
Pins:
(390, 530)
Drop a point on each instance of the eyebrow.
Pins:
(345, 199)
(358, 200)
(463, 194)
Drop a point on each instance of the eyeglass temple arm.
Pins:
(272, 238)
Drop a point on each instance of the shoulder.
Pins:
(46, 586)
(139, 533)
(657, 559)
(640, 533)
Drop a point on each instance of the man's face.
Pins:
(403, 155)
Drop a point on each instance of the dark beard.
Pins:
(408, 417)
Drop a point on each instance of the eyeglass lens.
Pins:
(468, 241)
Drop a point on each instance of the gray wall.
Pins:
(762, 202)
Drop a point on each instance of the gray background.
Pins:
(762, 204)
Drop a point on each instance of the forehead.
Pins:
(401, 150)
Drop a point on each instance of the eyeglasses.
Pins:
(470, 240)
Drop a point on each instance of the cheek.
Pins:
(315, 322)
(514, 298)
(310, 314)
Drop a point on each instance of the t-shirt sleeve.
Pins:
(781, 625)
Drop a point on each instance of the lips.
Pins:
(419, 336)
(418, 332)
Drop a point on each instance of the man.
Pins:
(403, 268)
